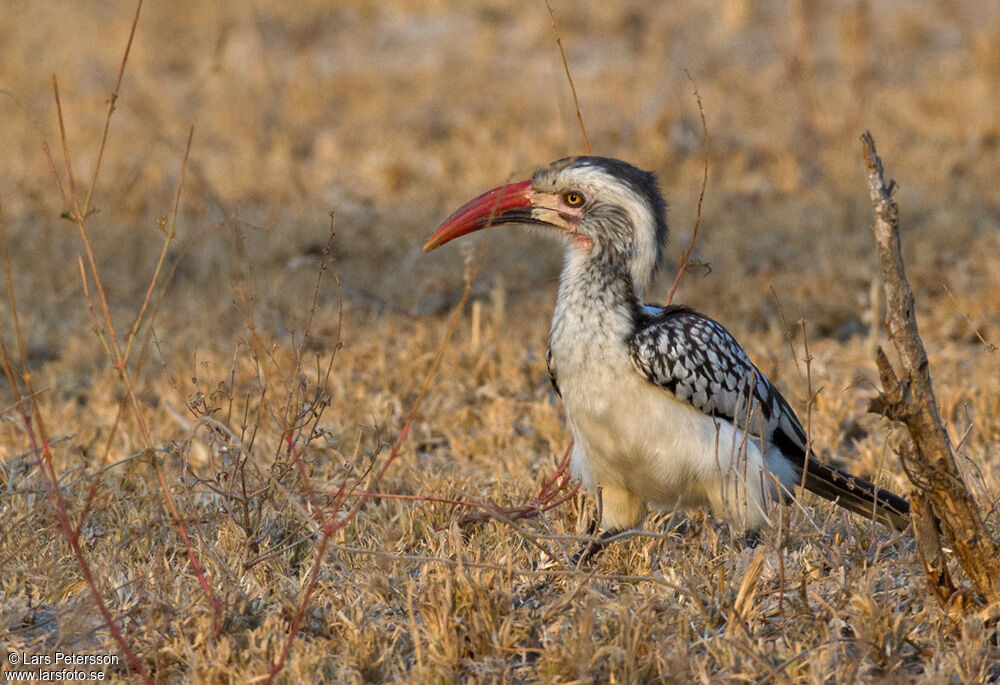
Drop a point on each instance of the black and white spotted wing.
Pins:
(699, 362)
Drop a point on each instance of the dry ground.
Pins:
(389, 115)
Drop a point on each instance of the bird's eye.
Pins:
(573, 198)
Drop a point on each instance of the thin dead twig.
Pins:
(112, 101)
(569, 77)
(686, 255)
(78, 214)
(170, 231)
(990, 347)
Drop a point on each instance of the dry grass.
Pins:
(389, 118)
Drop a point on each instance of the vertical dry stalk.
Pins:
(78, 213)
(562, 53)
(43, 455)
(686, 255)
(111, 108)
(169, 232)
(940, 490)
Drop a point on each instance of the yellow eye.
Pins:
(573, 198)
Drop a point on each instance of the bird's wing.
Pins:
(699, 362)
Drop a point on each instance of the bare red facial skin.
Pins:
(575, 214)
(486, 210)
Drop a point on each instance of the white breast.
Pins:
(634, 435)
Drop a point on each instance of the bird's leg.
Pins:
(620, 510)
(591, 549)
(751, 538)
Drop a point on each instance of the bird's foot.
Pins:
(592, 548)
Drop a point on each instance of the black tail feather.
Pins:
(855, 494)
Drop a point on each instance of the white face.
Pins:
(600, 213)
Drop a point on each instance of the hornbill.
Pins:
(663, 403)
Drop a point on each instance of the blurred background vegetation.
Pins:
(391, 114)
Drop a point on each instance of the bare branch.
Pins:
(941, 497)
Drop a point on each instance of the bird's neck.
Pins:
(597, 303)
